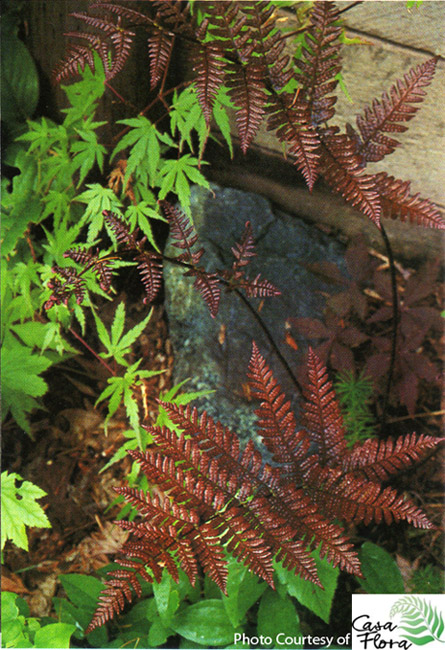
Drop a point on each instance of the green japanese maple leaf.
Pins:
(21, 381)
(19, 509)
(177, 176)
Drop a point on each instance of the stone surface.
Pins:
(215, 353)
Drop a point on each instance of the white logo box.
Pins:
(398, 621)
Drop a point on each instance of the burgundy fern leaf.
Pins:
(341, 169)
(322, 415)
(150, 270)
(247, 91)
(210, 553)
(175, 15)
(244, 250)
(183, 232)
(386, 115)
(226, 24)
(320, 62)
(120, 38)
(245, 544)
(276, 422)
(209, 69)
(81, 256)
(397, 202)
(376, 460)
(121, 230)
(291, 121)
(160, 46)
(209, 494)
(76, 59)
(135, 17)
(208, 285)
(258, 288)
(305, 518)
(106, 26)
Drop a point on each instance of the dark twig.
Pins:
(395, 323)
(90, 349)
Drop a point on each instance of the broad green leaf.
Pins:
(277, 615)
(21, 381)
(158, 634)
(167, 598)
(19, 509)
(205, 622)
(56, 635)
(311, 596)
(13, 623)
(20, 81)
(83, 591)
(380, 571)
(243, 590)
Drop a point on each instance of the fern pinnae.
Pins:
(322, 414)
(398, 203)
(247, 91)
(320, 62)
(291, 121)
(379, 459)
(388, 114)
(160, 46)
(341, 169)
(276, 423)
(210, 73)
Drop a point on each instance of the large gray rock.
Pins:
(214, 352)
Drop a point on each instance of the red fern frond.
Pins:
(291, 121)
(322, 415)
(209, 551)
(386, 115)
(120, 42)
(210, 494)
(376, 460)
(341, 169)
(306, 520)
(320, 62)
(75, 61)
(276, 422)
(398, 203)
(121, 230)
(183, 232)
(258, 288)
(262, 42)
(226, 24)
(247, 91)
(244, 250)
(210, 72)
(135, 17)
(150, 271)
(362, 501)
(160, 46)
(208, 285)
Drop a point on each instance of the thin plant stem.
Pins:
(255, 315)
(93, 352)
(395, 324)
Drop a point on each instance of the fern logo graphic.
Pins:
(422, 623)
